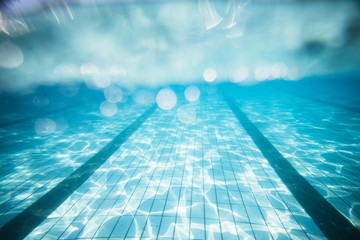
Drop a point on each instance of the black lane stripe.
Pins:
(333, 224)
(24, 223)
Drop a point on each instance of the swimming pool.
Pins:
(89, 152)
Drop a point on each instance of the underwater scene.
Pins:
(205, 119)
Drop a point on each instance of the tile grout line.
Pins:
(174, 150)
(223, 171)
(31, 217)
(215, 189)
(326, 216)
(146, 191)
(93, 198)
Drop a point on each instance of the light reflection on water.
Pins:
(186, 179)
(320, 141)
(183, 180)
(191, 171)
(40, 162)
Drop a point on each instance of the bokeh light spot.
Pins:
(240, 74)
(11, 55)
(210, 74)
(113, 94)
(166, 99)
(102, 80)
(186, 114)
(279, 70)
(108, 109)
(262, 73)
(44, 126)
(192, 93)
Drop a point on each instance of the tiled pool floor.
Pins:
(205, 178)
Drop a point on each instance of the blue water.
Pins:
(180, 121)
(202, 177)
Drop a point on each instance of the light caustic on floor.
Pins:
(183, 180)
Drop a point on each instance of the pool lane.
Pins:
(176, 180)
(32, 216)
(320, 141)
(325, 215)
(28, 173)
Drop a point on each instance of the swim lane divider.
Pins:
(333, 224)
(24, 223)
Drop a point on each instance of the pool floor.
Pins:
(256, 162)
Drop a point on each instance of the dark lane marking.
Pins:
(24, 223)
(333, 224)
